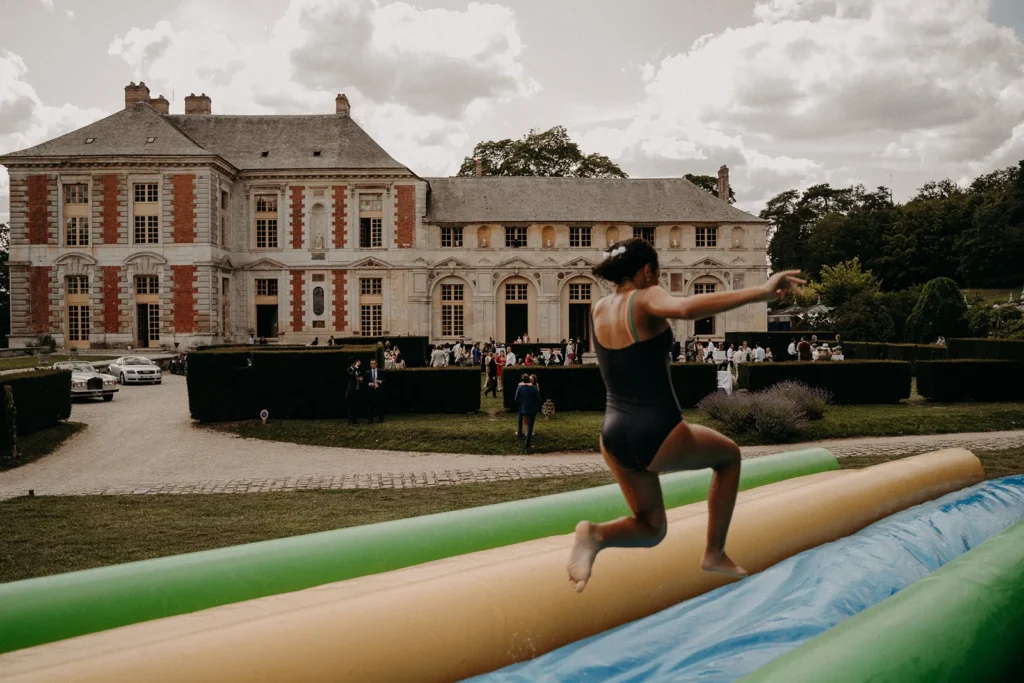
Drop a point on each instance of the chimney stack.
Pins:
(161, 105)
(478, 169)
(723, 184)
(341, 105)
(133, 94)
(197, 104)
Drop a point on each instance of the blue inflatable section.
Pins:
(728, 633)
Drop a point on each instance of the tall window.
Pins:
(371, 319)
(515, 237)
(147, 284)
(266, 221)
(579, 237)
(515, 292)
(452, 311)
(78, 323)
(451, 237)
(579, 291)
(645, 233)
(223, 218)
(371, 285)
(371, 221)
(76, 215)
(76, 193)
(266, 287)
(77, 232)
(707, 237)
(704, 288)
(146, 210)
(78, 284)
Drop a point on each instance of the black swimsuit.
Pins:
(641, 409)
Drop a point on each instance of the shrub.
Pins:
(811, 400)
(415, 350)
(849, 382)
(995, 349)
(940, 311)
(908, 352)
(42, 398)
(736, 412)
(778, 342)
(971, 380)
(580, 387)
(232, 384)
(776, 416)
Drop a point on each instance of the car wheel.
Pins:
(108, 397)
(122, 379)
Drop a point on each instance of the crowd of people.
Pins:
(728, 356)
(465, 354)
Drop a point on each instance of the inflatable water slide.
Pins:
(912, 570)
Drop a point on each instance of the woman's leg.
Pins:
(693, 447)
(645, 529)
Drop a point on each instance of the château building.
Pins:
(149, 229)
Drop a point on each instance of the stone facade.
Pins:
(361, 247)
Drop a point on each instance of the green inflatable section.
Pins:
(52, 608)
(965, 622)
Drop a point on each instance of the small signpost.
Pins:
(264, 415)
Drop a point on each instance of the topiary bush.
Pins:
(812, 401)
(994, 349)
(41, 399)
(849, 381)
(971, 380)
(940, 311)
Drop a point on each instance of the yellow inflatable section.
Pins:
(466, 615)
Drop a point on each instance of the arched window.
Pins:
(318, 301)
(613, 235)
(738, 238)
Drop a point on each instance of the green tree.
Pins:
(787, 230)
(709, 184)
(550, 153)
(940, 311)
(844, 281)
(991, 250)
(863, 318)
(921, 243)
(899, 304)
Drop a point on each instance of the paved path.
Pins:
(144, 442)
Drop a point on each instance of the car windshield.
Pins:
(137, 361)
(79, 366)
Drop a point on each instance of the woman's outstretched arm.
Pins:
(660, 303)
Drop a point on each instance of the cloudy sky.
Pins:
(788, 93)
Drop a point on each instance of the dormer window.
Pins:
(316, 153)
(150, 140)
(89, 141)
(264, 154)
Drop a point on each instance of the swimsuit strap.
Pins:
(632, 324)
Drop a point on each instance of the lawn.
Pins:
(28, 362)
(49, 535)
(44, 442)
(491, 432)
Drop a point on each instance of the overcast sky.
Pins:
(788, 93)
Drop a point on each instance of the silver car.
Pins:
(87, 382)
(135, 370)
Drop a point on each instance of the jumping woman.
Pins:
(643, 433)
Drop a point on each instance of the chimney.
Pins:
(723, 184)
(341, 105)
(161, 105)
(197, 104)
(478, 169)
(133, 94)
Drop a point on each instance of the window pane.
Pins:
(644, 233)
(318, 301)
(266, 203)
(76, 193)
(371, 319)
(370, 202)
(579, 237)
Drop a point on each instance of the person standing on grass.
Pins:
(804, 350)
(643, 433)
(491, 373)
(758, 353)
(374, 379)
(792, 349)
(528, 398)
(352, 389)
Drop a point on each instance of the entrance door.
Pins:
(579, 323)
(143, 321)
(148, 332)
(266, 320)
(517, 321)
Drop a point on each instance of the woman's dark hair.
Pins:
(625, 259)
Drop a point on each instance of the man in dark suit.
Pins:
(374, 378)
(352, 389)
(528, 398)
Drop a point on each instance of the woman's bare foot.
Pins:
(721, 564)
(581, 559)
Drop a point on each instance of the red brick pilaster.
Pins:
(38, 209)
(39, 299)
(405, 216)
(340, 216)
(183, 210)
(298, 300)
(297, 193)
(109, 206)
(111, 297)
(340, 299)
(183, 299)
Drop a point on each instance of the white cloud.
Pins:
(70, 13)
(48, 4)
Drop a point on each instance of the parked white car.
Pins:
(87, 382)
(135, 370)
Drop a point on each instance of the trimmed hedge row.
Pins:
(580, 387)
(996, 349)
(778, 342)
(41, 399)
(850, 381)
(230, 384)
(971, 380)
(415, 350)
(908, 352)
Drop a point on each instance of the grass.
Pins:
(44, 442)
(50, 535)
(491, 432)
(28, 362)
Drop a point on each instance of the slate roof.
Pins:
(240, 140)
(574, 200)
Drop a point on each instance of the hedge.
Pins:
(42, 398)
(778, 342)
(996, 349)
(850, 381)
(908, 352)
(229, 384)
(415, 350)
(580, 387)
(971, 380)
